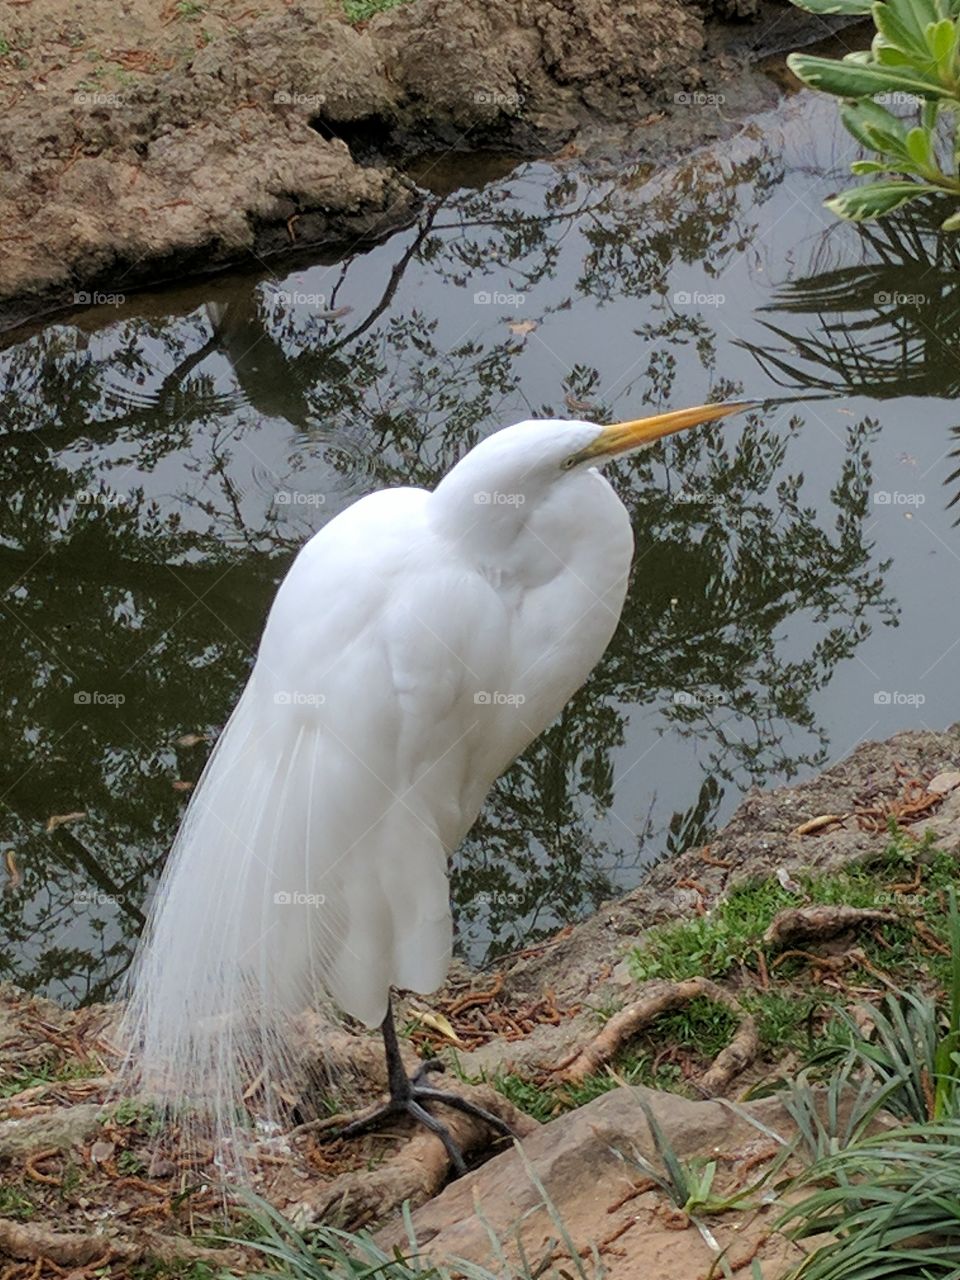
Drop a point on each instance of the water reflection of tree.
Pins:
(887, 325)
(141, 540)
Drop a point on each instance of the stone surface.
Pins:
(59, 1130)
(583, 1163)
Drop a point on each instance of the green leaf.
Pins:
(877, 198)
(853, 80)
(942, 39)
(851, 7)
(929, 111)
(875, 127)
(898, 33)
(920, 147)
(914, 15)
(887, 56)
(869, 166)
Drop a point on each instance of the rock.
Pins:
(582, 1161)
(944, 782)
(62, 1128)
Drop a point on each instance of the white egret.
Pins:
(420, 641)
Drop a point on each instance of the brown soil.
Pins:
(112, 1179)
(155, 138)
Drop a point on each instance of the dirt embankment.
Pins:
(144, 140)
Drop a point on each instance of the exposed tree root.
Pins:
(415, 1173)
(661, 997)
(809, 923)
(31, 1242)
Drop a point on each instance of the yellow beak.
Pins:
(624, 436)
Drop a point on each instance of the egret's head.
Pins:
(521, 464)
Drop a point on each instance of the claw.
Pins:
(408, 1095)
(425, 1068)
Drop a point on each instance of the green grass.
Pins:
(546, 1102)
(726, 946)
(48, 1074)
(702, 1025)
(326, 1253)
(728, 938)
(362, 10)
(15, 1204)
(703, 1028)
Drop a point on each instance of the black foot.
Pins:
(410, 1105)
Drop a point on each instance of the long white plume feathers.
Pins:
(297, 879)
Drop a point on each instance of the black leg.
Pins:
(407, 1094)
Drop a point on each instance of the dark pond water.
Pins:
(795, 587)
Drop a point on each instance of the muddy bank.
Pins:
(108, 1183)
(143, 142)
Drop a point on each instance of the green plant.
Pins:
(327, 1253)
(913, 61)
(47, 1073)
(689, 1184)
(831, 1117)
(888, 1202)
(912, 1051)
(891, 1204)
(130, 1164)
(15, 1204)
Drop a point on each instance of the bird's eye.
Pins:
(568, 462)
